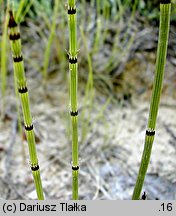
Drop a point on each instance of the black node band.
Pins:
(74, 113)
(165, 1)
(12, 22)
(150, 132)
(71, 11)
(73, 60)
(29, 128)
(14, 36)
(75, 168)
(18, 58)
(23, 90)
(35, 168)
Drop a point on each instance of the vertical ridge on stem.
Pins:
(19, 73)
(165, 8)
(73, 68)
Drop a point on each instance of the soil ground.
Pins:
(110, 145)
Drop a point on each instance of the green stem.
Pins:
(89, 93)
(165, 8)
(23, 92)
(4, 62)
(49, 43)
(73, 93)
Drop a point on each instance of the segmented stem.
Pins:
(73, 93)
(15, 41)
(165, 7)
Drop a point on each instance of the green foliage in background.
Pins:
(103, 52)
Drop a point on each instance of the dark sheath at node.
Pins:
(18, 59)
(71, 11)
(75, 168)
(14, 36)
(150, 133)
(72, 60)
(23, 90)
(12, 22)
(165, 1)
(29, 128)
(74, 113)
(35, 168)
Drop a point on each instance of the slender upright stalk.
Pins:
(23, 8)
(4, 61)
(89, 92)
(73, 93)
(165, 7)
(14, 36)
(49, 43)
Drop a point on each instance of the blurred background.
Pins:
(117, 42)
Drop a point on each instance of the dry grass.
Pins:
(112, 149)
(109, 157)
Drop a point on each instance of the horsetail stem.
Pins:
(19, 73)
(73, 93)
(165, 8)
(4, 62)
